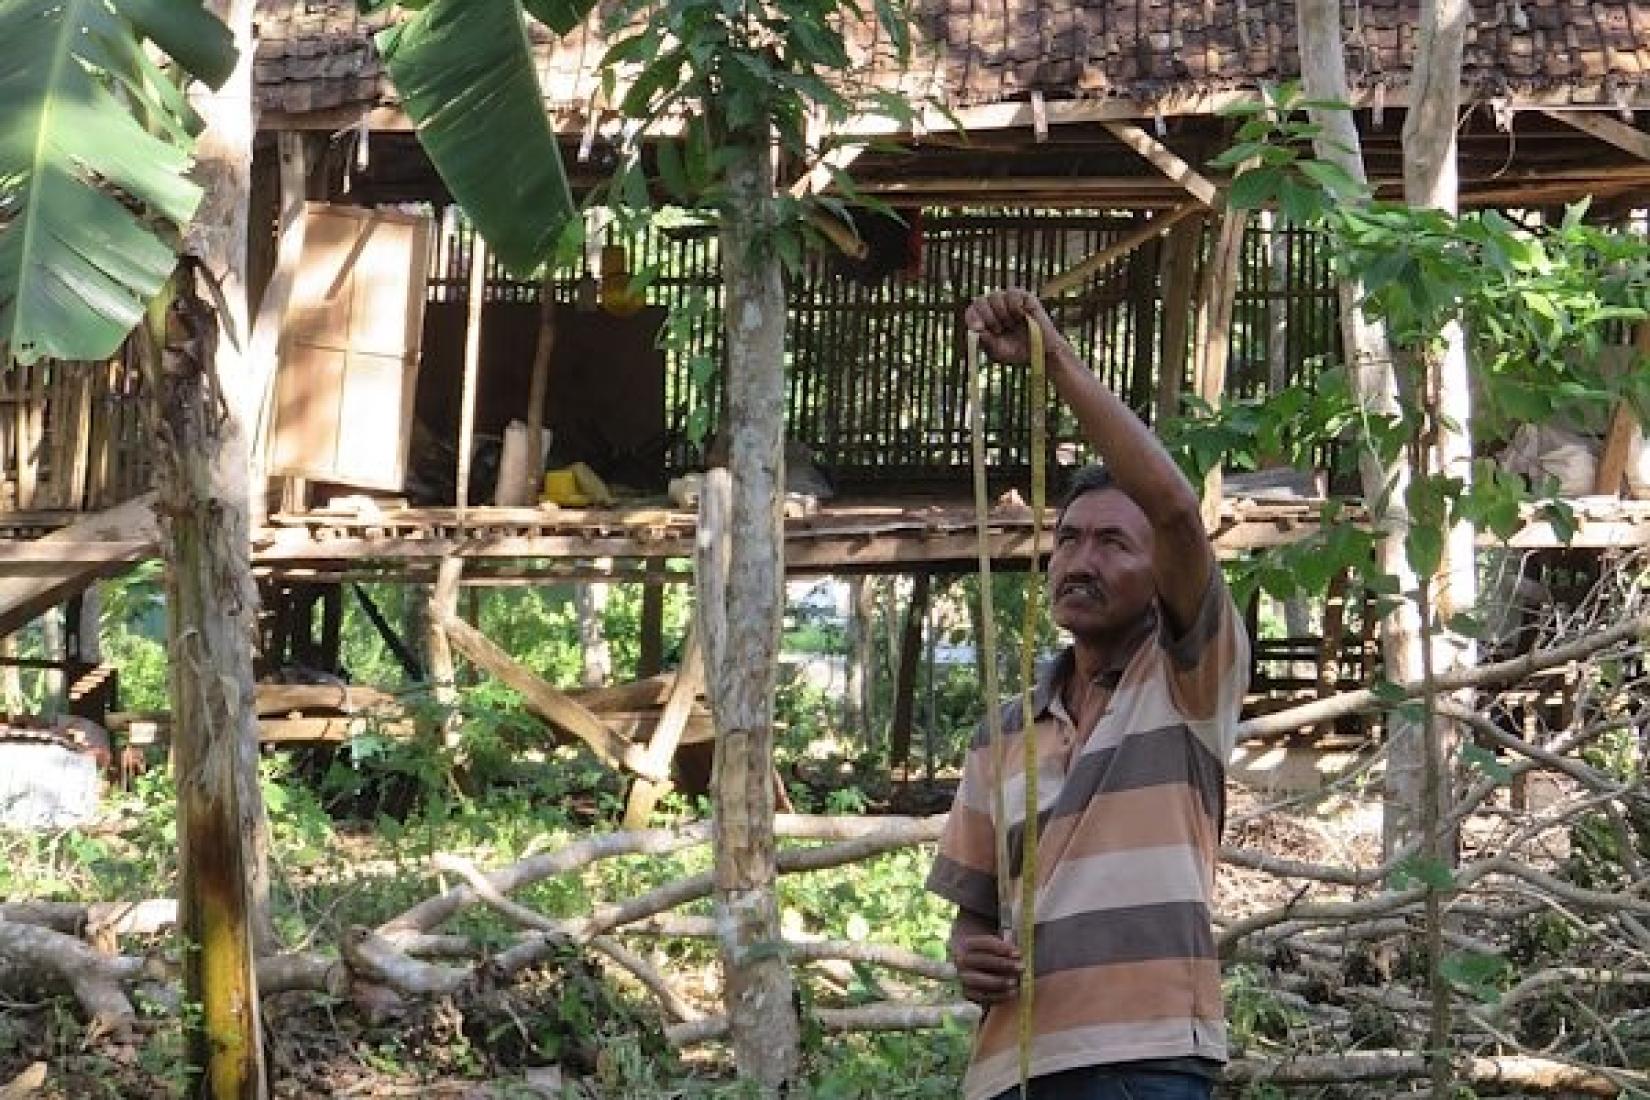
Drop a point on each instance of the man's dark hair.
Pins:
(1090, 479)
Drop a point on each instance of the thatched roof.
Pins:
(316, 55)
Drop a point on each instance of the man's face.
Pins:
(1100, 573)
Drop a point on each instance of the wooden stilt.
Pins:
(650, 658)
(1179, 277)
(1214, 331)
(537, 390)
(905, 688)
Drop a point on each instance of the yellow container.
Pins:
(561, 487)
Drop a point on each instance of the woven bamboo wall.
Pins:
(71, 437)
(876, 382)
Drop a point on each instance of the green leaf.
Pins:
(1468, 626)
(1477, 756)
(1424, 546)
(1476, 973)
(1333, 179)
(1254, 189)
(188, 33)
(1388, 692)
(668, 156)
(561, 16)
(466, 77)
(1423, 871)
(87, 193)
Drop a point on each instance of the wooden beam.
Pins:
(1167, 161)
(1076, 275)
(109, 542)
(1607, 129)
(661, 750)
(555, 707)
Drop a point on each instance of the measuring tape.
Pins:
(1026, 930)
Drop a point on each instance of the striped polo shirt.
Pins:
(1132, 800)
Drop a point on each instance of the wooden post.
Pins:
(910, 657)
(539, 386)
(473, 317)
(856, 719)
(1214, 332)
(263, 357)
(1624, 427)
(443, 609)
(684, 692)
(1179, 278)
(650, 656)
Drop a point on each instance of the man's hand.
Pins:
(1000, 319)
(988, 967)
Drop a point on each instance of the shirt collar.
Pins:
(1054, 674)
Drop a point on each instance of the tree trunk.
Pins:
(52, 649)
(1375, 385)
(591, 601)
(758, 990)
(855, 704)
(1430, 180)
(211, 605)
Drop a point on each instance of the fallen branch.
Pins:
(1512, 1071)
(93, 976)
(674, 894)
(432, 912)
(872, 954)
(873, 1017)
(1502, 672)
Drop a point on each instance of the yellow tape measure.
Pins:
(1024, 928)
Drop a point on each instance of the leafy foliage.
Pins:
(465, 73)
(95, 143)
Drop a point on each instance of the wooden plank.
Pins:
(684, 693)
(555, 707)
(1607, 129)
(1624, 426)
(643, 694)
(1618, 445)
(1075, 276)
(348, 698)
(1167, 161)
(133, 535)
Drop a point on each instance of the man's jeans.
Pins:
(1104, 1083)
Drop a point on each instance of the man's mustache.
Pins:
(1083, 586)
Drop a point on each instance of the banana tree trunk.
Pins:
(210, 605)
(757, 984)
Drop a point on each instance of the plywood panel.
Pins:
(350, 348)
(308, 395)
(373, 395)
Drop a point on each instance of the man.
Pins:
(1134, 725)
